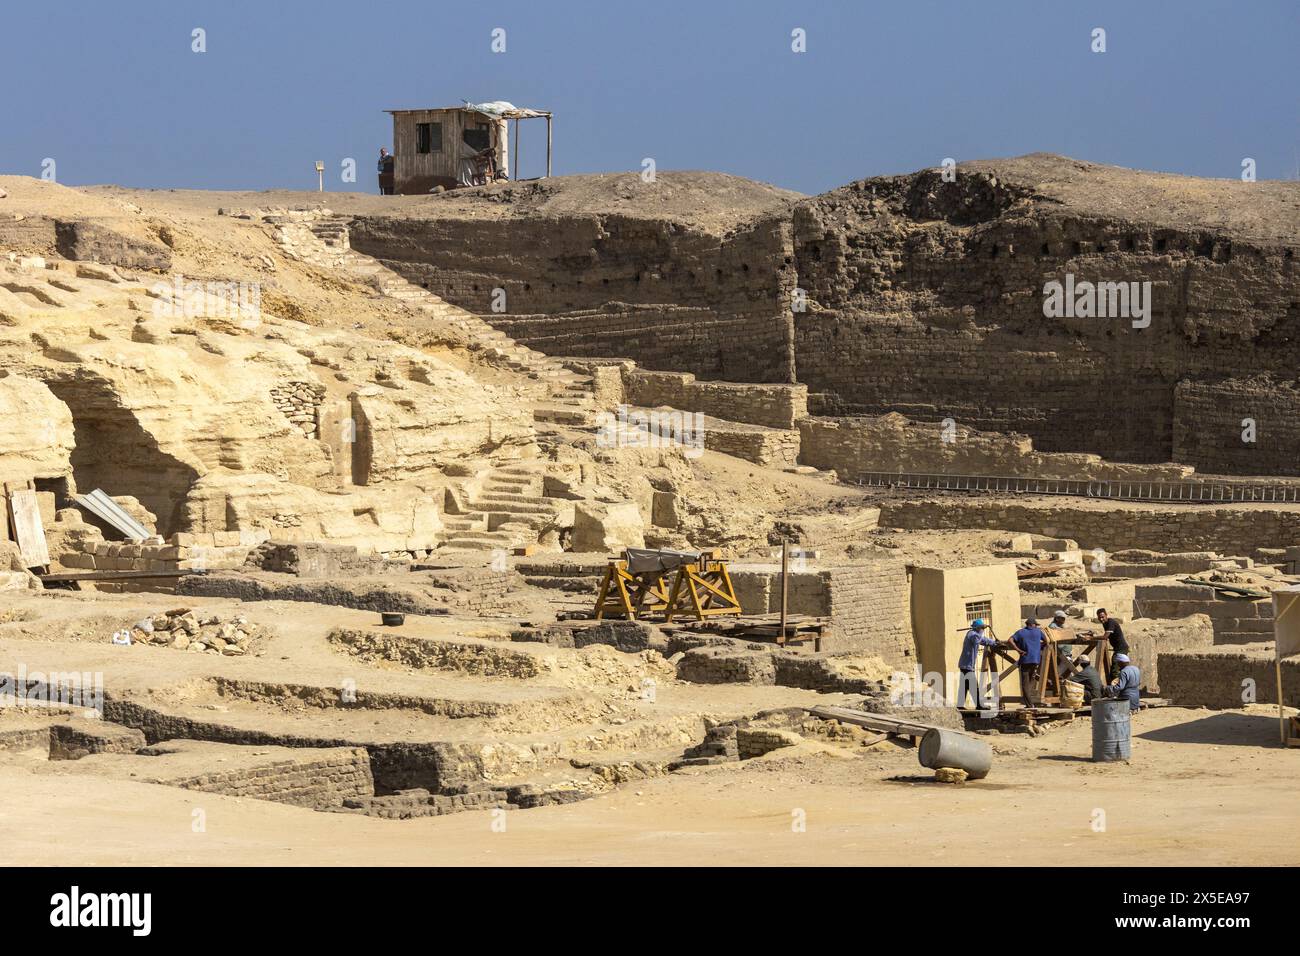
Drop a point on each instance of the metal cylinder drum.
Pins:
(949, 748)
(1111, 724)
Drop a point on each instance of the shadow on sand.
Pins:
(1242, 730)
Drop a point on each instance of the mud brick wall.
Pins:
(727, 665)
(480, 590)
(73, 741)
(1235, 620)
(1208, 427)
(776, 406)
(317, 560)
(853, 445)
(846, 526)
(1215, 678)
(763, 446)
(317, 782)
(609, 285)
(1229, 530)
(928, 301)
(212, 551)
(870, 611)
(18, 739)
(869, 605)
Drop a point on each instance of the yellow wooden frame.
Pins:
(623, 594)
(703, 591)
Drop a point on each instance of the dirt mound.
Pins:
(704, 201)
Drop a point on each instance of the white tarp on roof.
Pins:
(503, 109)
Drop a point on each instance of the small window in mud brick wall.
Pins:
(980, 608)
(428, 137)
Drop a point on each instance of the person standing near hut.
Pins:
(968, 681)
(386, 172)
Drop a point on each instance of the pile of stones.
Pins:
(188, 630)
(298, 402)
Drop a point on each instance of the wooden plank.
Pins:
(878, 722)
(113, 575)
(25, 519)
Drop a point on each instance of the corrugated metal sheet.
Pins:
(106, 509)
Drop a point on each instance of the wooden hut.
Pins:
(439, 147)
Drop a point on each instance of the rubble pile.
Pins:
(189, 630)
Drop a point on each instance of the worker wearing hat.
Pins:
(1029, 640)
(1127, 685)
(968, 675)
(1064, 647)
(1084, 673)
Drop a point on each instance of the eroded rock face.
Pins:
(406, 434)
(36, 439)
(401, 518)
(600, 526)
(229, 422)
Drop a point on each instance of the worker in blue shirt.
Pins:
(1029, 640)
(1127, 685)
(968, 676)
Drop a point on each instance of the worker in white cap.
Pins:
(1127, 685)
(1082, 672)
(1064, 649)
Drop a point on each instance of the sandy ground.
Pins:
(1204, 788)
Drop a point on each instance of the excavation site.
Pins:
(596, 520)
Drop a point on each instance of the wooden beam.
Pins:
(785, 586)
(548, 145)
(878, 722)
(113, 575)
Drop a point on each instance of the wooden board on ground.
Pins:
(25, 521)
(882, 723)
(110, 576)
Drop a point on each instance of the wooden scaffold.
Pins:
(637, 586)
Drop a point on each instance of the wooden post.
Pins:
(515, 163)
(1281, 710)
(548, 146)
(785, 586)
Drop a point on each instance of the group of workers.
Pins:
(1122, 681)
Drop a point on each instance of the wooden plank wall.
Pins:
(419, 172)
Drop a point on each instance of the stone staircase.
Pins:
(508, 511)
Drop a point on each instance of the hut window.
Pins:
(477, 139)
(428, 137)
(976, 610)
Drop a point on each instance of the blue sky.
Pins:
(113, 92)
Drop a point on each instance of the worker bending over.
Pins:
(1084, 673)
